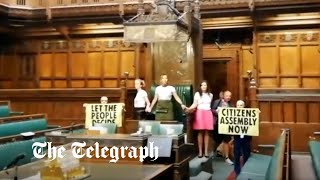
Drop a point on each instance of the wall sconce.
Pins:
(252, 81)
(217, 44)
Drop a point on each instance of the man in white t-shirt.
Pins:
(163, 95)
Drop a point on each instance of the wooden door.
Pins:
(221, 69)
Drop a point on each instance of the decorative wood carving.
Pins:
(267, 38)
(309, 37)
(288, 37)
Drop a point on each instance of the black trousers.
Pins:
(241, 146)
(139, 113)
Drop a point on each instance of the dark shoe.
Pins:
(200, 156)
(206, 156)
(218, 154)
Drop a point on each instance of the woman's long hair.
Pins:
(208, 88)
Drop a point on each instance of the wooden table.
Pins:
(181, 153)
(102, 171)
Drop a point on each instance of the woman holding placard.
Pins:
(203, 118)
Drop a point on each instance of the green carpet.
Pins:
(221, 169)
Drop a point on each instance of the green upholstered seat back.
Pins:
(274, 170)
(166, 128)
(11, 150)
(14, 128)
(4, 111)
(314, 147)
(185, 92)
(111, 127)
(154, 125)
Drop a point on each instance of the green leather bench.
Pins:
(5, 110)
(185, 92)
(314, 147)
(14, 128)
(156, 128)
(11, 150)
(260, 166)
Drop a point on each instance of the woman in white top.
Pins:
(204, 118)
(163, 96)
(141, 101)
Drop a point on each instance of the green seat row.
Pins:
(314, 147)
(110, 127)
(9, 151)
(161, 129)
(265, 167)
(6, 112)
(14, 128)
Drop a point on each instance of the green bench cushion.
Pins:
(255, 167)
(9, 151)
(155, 126)
(9, 129)
(4, 111)
(260, 166)
(315, 156)
(166, 128)
(110, 127)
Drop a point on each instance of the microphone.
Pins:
(15, 161)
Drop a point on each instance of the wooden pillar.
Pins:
(252, 91)
(123, 99)
(190, 136)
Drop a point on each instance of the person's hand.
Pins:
(183, 106)
(148, 109)
(84, 105)
(218, 109)
(189, 110)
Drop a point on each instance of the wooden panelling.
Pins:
(301, 112)
(60, 64)
(44, 64)
(78, 63)
(289, 112)
(268, 59)
(94, 64)
(310, 57)
(127, 63)
(288, 59)
(247, 60)
(295, 110)
(110, 64)
(62, 106)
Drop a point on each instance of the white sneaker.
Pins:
(229, 161)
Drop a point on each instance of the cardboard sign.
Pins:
(103, 114)
(239, 121)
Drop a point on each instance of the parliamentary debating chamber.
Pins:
(160, 89)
